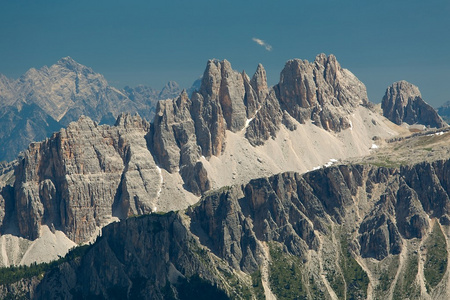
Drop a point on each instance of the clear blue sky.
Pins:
(152, 42)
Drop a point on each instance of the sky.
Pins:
(151, 42)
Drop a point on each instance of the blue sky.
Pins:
(152, 42)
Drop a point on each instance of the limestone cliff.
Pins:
(403, 102)
(348, 231)
(82, 176)
(321, 91)
(85, 175)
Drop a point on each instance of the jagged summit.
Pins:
(321, 91)
(233, 129)
(403, 102)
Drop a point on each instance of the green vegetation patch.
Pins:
(336, 281)
(436, 261)
(15, 273)
(355, 277)
(257, 285)
(198, 288)
(387, 275)
(406, 286)
(285, 275)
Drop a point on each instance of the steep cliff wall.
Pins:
(348, 231)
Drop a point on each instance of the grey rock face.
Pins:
(170, 90)
(145, 98)
(377, 211)
(173, 140)
(266, 122)
(68, 89)
(403, 102)
(173, 129)
(321, 91)
(22, 124)
(83, 175)
(74, 180)
(444, 111)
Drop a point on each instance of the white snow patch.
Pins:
(317, 168)
(247, 123)
(161, 180)
(439, 133)
(374, 146)
(333, 160)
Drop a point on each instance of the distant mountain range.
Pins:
(42, 101)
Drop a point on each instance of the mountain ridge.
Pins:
(217, 193)
(60, 94)
(233, 231)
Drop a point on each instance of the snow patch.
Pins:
(247, 123)
(161, 180)
(374, 146)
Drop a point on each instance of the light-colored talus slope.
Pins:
(232, 129)
(235, 128)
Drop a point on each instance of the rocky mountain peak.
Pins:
(403, 90)
(259, 82)
(321, 91)
(127, 120)
(68, 62)
(403, 102)
(212, 77)
(170, 90)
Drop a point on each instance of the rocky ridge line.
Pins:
(87, 175)
(366, 216)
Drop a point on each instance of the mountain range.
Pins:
(42, 101)
(240, 190)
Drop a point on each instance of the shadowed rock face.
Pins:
(376, 210)
(444, 111)
(403, 102)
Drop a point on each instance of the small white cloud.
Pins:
(262, 43)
